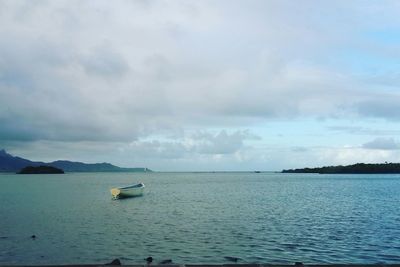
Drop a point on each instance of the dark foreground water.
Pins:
(200, 218)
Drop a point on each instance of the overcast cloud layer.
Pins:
(201, 85)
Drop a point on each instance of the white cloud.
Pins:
(201, 143)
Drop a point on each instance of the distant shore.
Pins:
(359, 168)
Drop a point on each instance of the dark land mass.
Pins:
(40, 170)
(359, 168)
(10, 163)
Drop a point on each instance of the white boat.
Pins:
(129, 191)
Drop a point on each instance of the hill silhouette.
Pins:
(10, 163)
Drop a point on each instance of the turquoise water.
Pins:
(200, 218)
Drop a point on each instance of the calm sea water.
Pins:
(200, 218)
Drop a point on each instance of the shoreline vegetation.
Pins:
(358, 168)
(40, 170)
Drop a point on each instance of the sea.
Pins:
(200, 218)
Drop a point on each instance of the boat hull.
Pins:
(131, 191)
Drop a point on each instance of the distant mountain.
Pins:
(10, 163)
(71, 166)
(359, 168)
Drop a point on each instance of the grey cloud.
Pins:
(104, 62)
(382, 144)
(30, 64)
(387, 107)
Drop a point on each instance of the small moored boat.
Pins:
(129, 191)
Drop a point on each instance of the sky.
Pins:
(201, 85)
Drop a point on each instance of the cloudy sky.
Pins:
(201, 85)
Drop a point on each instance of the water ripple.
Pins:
(201, 218)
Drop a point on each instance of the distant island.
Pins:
(40, 170)
(359, 168)
(10, 163)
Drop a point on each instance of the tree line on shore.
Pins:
(359, 168)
